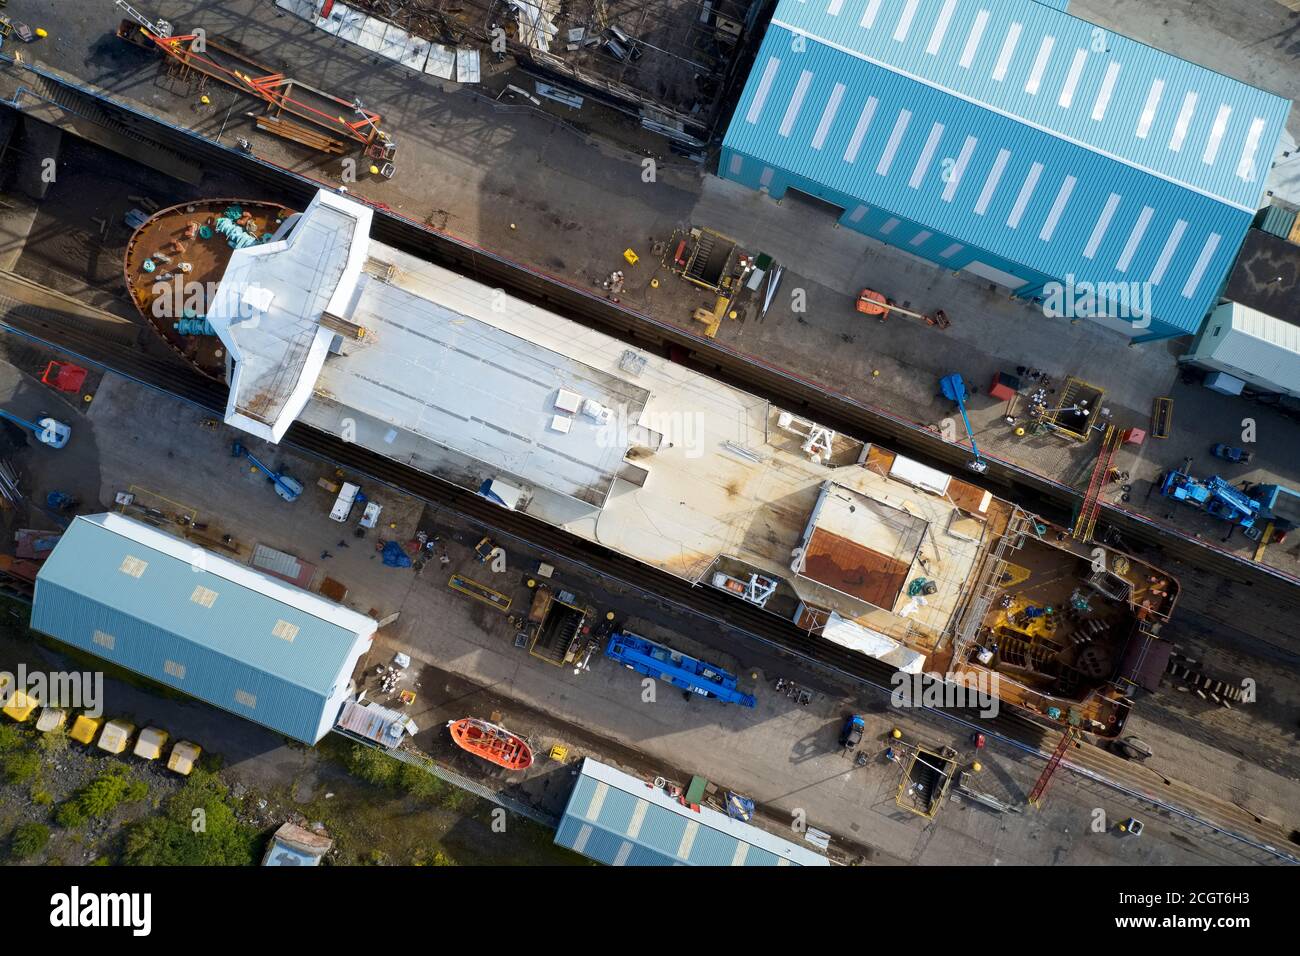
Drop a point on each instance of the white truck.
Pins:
(343, 503)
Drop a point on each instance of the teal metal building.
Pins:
(1015, 142)
(196, 621)
(619, 820)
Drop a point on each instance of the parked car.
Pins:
(1238, 456)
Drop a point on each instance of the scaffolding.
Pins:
(671, 61)
(989, 585)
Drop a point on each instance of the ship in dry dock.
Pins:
(314, 321)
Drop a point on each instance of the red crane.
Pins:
(1069, 737)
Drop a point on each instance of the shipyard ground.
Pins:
(564, 193)
(783, 755)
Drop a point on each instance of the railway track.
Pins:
(175, 379)
(837, 411)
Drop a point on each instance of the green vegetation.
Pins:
(28, 840)
(101, 797)
(197, 827)
(11, 738)
(21, 766)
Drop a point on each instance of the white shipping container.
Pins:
(1247, 344)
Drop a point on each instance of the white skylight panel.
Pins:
(1134, 239)
(973, 40)
(1026, 194)
(1217, 132)
(1183, 122)
(796, 102)
(991, 183)
(1202, 263)
(869, 15)
(828, 116)
(1008, 51)
(1149, 110)
(927, 154)
(1103, 223)
(1058, 207)
(1035, 80)
(905, 21)
(1246, 166)
(940, 27)
(1107, 90)
(764, 88)
(1167, 253)
(860, 130)
(895, 138)
(1072, 79)
(953, 176)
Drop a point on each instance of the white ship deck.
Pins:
(460, 380)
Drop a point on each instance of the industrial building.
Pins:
(620, 820)
(874, 551)
(217, 630)
(1014, 142)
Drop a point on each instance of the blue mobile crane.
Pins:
(286, 486)
(954, 389)
(48, 431)
(665, 664)
(1215, 496)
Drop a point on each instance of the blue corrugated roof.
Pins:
(948, 112)
(211, 628)
(616, 819)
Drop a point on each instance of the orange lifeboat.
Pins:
(494, 744)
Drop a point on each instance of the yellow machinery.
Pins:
(84, 729)
(925, 781)
(183, 757)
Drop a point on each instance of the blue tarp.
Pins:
(395, 557)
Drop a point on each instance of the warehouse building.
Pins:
(620, 820)
(1014, 142)
(201, 623)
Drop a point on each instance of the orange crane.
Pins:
(210, 57)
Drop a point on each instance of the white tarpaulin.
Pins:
(372, 34)
(919, 476)
(467, 65)
(307, 9)
(441, 61)
(872, 643)
(536, 22)
(342, 22)
(405, 48)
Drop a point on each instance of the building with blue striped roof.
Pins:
(1011, 140)
(619, 820)
(217, 630)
